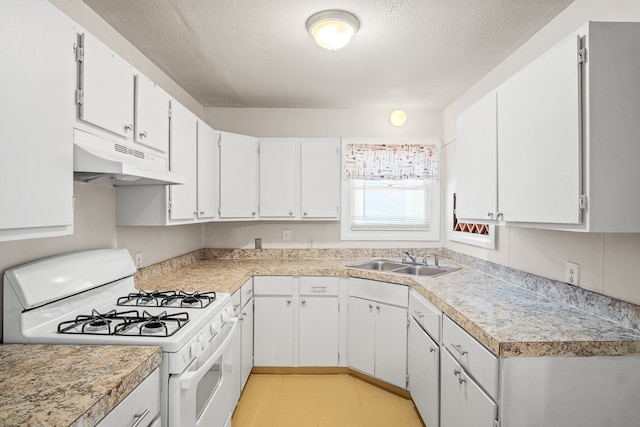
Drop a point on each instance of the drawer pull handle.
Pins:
(459, 348)
(137, 419)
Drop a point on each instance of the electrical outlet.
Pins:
(286, 234)
(138, 259)
(572, 273)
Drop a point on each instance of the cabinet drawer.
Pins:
(246, 292)
(479, 362)
(273, 285)
(379, 291)
(426, 314)
(310, 285)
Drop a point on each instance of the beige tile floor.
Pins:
(331, 400)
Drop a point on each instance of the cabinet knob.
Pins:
(378, 307)
(201, 213)
(128, 127)
(490, 215)
(499, 215)
(143, 134)
(370, 306)
(305, 213)
(288, 302)
(304, 301)
(253, 213)
(290, 213)
(456, 372)
(432, 350)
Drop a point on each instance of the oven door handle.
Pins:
(188, 379)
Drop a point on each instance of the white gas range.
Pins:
(89, 297)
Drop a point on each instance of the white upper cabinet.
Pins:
(477, 161)
(539, 140)
(182, 161)
(567, 129)
(320, 179)
(37, 109)
(151, 122)
(239, 176)
(278, 178)
(299, 179)
(105, 93)
(208, 176)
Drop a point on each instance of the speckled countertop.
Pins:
(69, 385)
(509, 320)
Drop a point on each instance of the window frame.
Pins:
(431, 235)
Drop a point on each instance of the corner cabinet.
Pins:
(377, 330)
(566, 131)
(239, 177)
(37, 110)
(299, 179)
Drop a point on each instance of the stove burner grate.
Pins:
(190, 300)
(96, 323)
(145, 299)
(163, 325)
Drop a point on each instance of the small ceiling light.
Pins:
(398, 117)
(332, 29)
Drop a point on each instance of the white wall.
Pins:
(608, 263)
(317, 123)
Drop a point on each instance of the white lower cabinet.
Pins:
(423, 358)
(377, 330)
(319, 321)
(464, 403)
(246, 332)
(296, 321)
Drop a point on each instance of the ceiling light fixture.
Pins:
(332, 29)
(398, 117)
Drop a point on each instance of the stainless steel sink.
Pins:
(424, 270)
(379, 265)
(403, 268)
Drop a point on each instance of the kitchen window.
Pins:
(390, 189)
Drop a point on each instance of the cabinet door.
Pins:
(207, 171)
(361, 332)
(151, 114)
(318, 331)
(463, 403)
(36, 150)
(391, 344)
(424, 373)
(477, 161)
(273, 331)
(106, 81)
(320, 179)
(539, 140)
(239, 176)
(182, 160)
(278, 179)
(246, 317)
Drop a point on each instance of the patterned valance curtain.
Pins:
(391, 161)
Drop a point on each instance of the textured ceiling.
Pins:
(257, 53)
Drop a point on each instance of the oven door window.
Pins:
(208, 386)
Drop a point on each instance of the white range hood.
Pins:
(101, 161)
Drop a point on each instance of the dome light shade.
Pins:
(398, 117)
(332, 29)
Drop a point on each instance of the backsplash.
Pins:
(606, 307)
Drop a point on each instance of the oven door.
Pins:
(206, 393)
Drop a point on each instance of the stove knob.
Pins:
(195, 349)
(215, 327)
(203, 342)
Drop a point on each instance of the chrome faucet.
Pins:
(411, 257)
